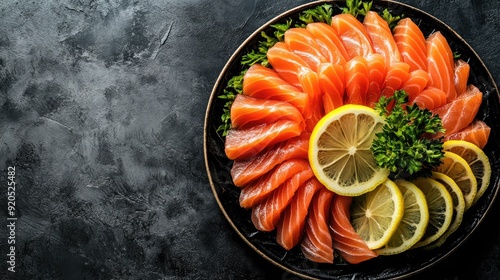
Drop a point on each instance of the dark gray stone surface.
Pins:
(102, 104)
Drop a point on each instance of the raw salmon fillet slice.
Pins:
(461, 76)
(411, 44)
(345, 239)
(245, 171)
(290, 228)
(247, 111)
(460, 112)
(265, 215)
(416, 82)
(477, 133)
(286, 63)
(245, 143)
(257, 191)
(329, 42)
(376, 71)
(357, 81)
(381, 37)
(302, 43)
(441, 65)
(430, 98)
(397, 74)
(331, 82)
(310, 83)
(353, 35)
(264, 83)
(316, 244)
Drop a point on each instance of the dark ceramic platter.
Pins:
(399, 266)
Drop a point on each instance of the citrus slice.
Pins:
(458, 206)
(478, 162)
(339, 150)
(376, 215)
(414, 223)
(440, 205)
(459, 170)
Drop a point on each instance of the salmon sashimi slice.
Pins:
(331, 82)
(381, 37)
(316, 244)
(265, 215)
(286, 63)
(247, 111)
(264, 83)
(346, 241)
(376, 72)
(257, 191)
(460, 112)
(397, 74)
(357, 81)
(477, 133)
(245, 171)
(461, 76)
(440, 64)
(430, 98)
(411, 44)
(353, 35)
(302, 43)
(329, 42)
(245, 143)
(416, 82)
(310, 83)
(290, 228)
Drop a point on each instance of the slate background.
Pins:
(102, 104)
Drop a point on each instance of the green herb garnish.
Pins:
(390, 19)
(322, 13)
(357, 7)
(404, 146)
(234, 86)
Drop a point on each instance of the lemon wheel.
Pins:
(458, 206)
(414, 222)
(478, 162)
(440, 205)
(339, 150)
(455, 167)
(376, 215)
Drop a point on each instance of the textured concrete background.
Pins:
(102, 105)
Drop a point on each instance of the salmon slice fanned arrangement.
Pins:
(313, 70)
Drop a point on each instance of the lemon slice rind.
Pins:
(339, 150)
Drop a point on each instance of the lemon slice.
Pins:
(440, 206)
(458, 206)
(339, 150)
(459, 170)
(478, 162)
(414, 223)
(376, 215)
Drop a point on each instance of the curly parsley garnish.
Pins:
(404, 146)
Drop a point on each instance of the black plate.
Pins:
(399, 266)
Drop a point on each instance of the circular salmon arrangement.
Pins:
(301, 123)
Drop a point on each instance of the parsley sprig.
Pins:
(404, 145)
